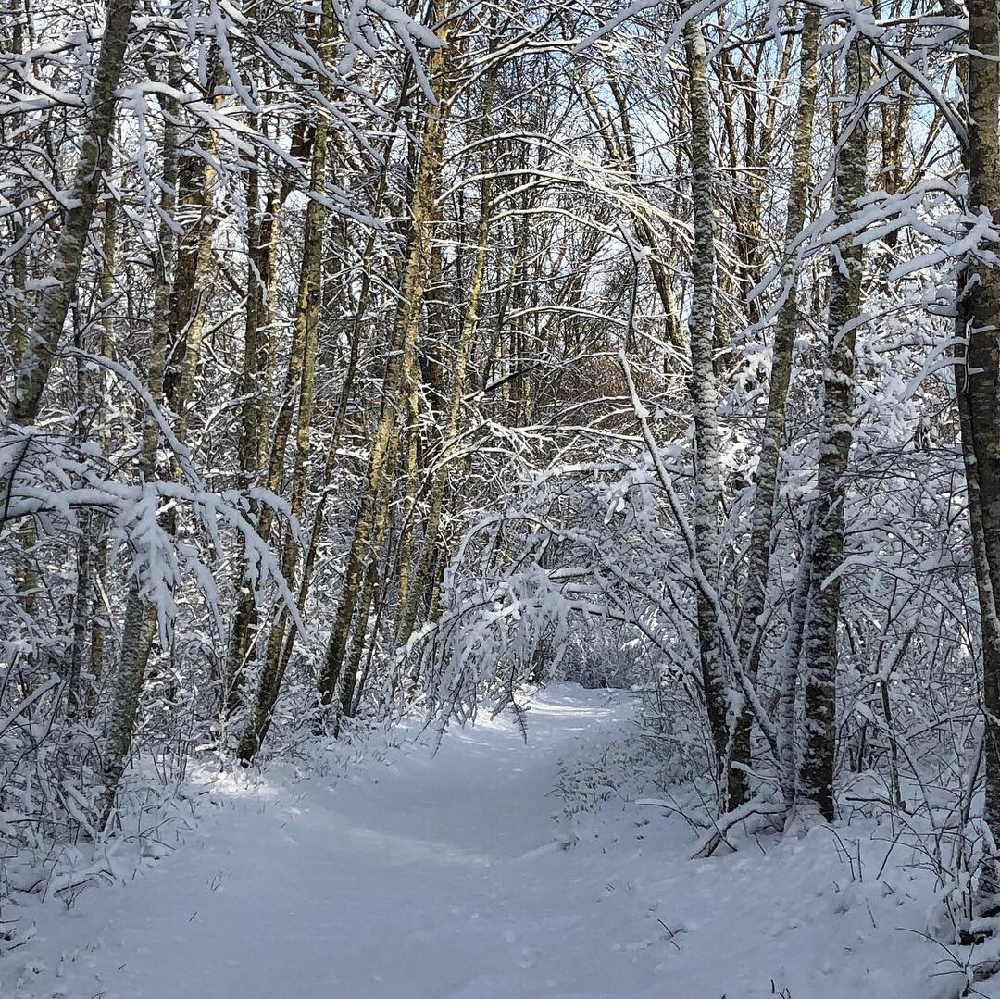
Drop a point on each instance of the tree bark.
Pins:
(306, 330)
(439, 477)
(759, 552)
(981, 416)
(815, 784)
(33, 372)
(138, 624)
(705, 401)
(403, 347)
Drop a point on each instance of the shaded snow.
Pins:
(444, 877)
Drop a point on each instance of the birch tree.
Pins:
(705, 402)
(978, 388)
(815, 786)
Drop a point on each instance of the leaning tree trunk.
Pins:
(705, 400)
(981, 416)
(759, 552)
(33, 372)
(814, 787)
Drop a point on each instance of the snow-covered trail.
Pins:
(435, 876)
(442, 877)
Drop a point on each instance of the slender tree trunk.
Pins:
(265, 709)
(258, 359)
(307, 311)
(788, 689)
(704, 398)
(403, 348)
(307, 317)
(439, 477)
(33, 372)
(814, 790)
(98, 611)
(139, 623)
(375, 566)
(83, 597)
(759, 552)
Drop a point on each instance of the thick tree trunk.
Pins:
(981, 406)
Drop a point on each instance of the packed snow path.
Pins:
(443, 877)
(423, 878)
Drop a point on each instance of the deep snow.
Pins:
(457, 875)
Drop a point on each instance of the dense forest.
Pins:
(367, 360)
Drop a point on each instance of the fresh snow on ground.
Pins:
(462, 875)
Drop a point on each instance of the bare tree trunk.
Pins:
(98, 611)
(375, 566)
(306, 328)
(83, 597)
(139, 622)
(258, 358)
(403, 347)
(439, 477)
(265, 709)
(788, 683)
(759, 552)
(33, 372)
(981, 406)
(705, 400)
(814, 790)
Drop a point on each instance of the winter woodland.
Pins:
(380, 372)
